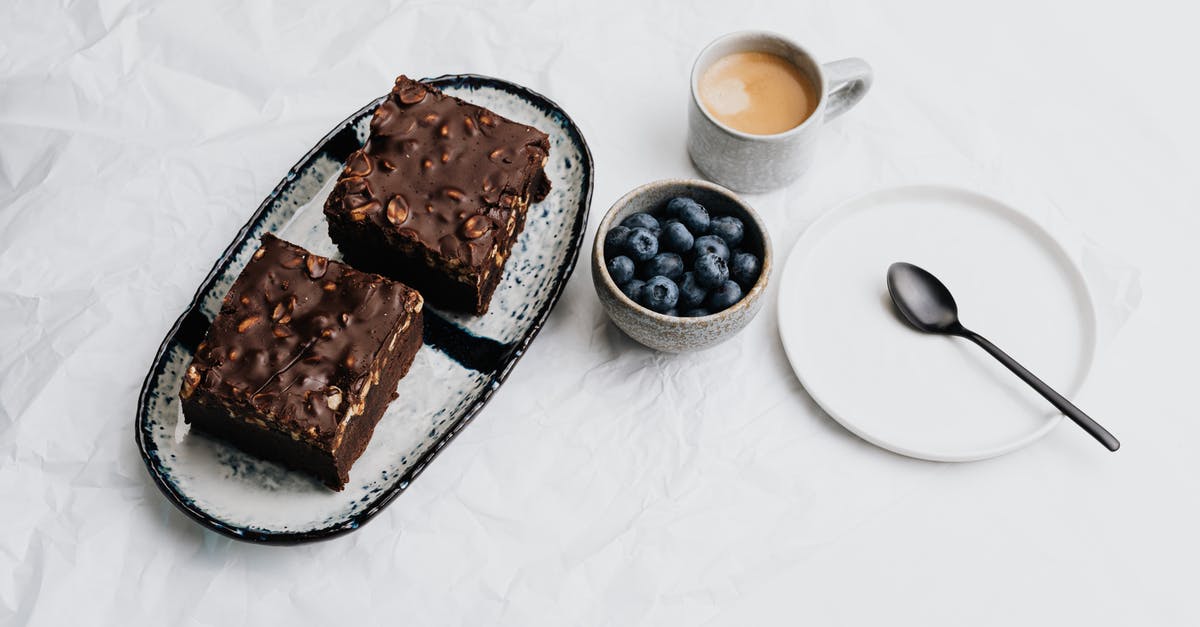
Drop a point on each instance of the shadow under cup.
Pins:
(748, 162)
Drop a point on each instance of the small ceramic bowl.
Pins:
(669, 333)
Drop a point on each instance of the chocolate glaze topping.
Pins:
(296, 336)
(441, 172)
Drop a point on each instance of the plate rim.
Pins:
(148, 450)
(812, 235)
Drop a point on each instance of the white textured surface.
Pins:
(604, 484)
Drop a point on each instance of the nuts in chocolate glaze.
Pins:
(333, 397)
(476, 226)
(397, 210)
(449, 247)
(355, 185)
(316, 265)
(358, 214)
(291, 307)
(359, 164)
(260, 252)
(245, 324)
(380, 117)
(411, 92)
(190, 379)
(455, 194)
(358, 200)
(263, 399)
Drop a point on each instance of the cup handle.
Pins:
(848, 81)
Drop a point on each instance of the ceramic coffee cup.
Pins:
(748, 162)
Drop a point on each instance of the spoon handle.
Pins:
(1056, 399)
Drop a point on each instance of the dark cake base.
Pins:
(361, 247)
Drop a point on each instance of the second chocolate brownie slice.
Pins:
(438, 195)
(302, 360)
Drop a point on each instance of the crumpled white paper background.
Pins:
(604, 484)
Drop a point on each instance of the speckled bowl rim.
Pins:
(764, 273)
(823, 86)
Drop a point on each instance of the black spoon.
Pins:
(928, 306)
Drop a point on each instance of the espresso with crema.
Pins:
(757, 92)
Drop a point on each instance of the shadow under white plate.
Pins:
(927, 396)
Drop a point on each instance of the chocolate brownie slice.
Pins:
(302, 360)
(438, 195)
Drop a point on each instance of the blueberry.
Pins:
(642, 221)
(693, 216)
(615, 241)
(675, 237)
(642, 244)
(669, 265)
(711, 244)
(725, 295)
(633, 290)
(744, 269)
(672, 312)
(620, 269)
(691, 294)
(729, 229)
(676, 206)
(696, 312)
(711, 270)
(660, 294)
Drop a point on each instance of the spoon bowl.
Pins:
(924, 301)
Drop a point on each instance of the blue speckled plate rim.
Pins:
(149, 450)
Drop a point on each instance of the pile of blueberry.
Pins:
(688, 265)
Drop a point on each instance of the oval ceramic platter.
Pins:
(464, 360)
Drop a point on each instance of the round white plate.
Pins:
(926, 396)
